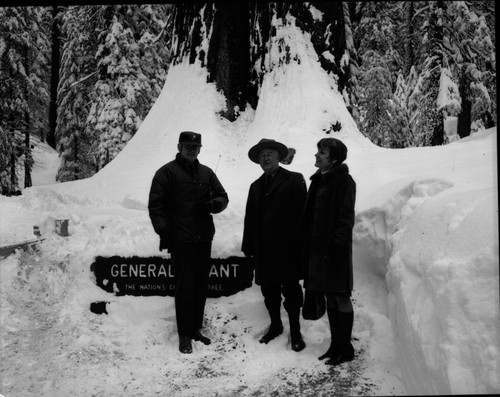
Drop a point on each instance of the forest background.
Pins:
(84, 77)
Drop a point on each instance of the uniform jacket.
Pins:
(271, 226)
(180, 201)
(327, 224)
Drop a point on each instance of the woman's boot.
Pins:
(346, 350)
(333, 320)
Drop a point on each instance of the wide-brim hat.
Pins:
(264, 143)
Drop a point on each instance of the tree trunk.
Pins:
(54, 77)
(409, 45)
(27, 157)
(228, 58)
(239, 36)
(438, 131)
(464, 118)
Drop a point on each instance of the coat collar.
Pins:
(276, 180)
(336, 170)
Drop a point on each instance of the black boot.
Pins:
(333, 320)
(185, 344)
(346, 351)
(275, 330)
(298, 343)
(276, 327)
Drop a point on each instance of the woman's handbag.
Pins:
(314, 305)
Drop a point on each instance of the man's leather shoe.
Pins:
(185, 345)
(298, 343)
(197, 336)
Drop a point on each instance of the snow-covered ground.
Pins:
(426, 259)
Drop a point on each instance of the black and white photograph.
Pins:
(249, 199)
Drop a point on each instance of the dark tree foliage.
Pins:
(23, 91)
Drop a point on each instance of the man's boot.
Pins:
(298, 343)
(185, 345)
(334, 322)
(346, 351)
(276, 327)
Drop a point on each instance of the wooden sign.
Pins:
(155, 275)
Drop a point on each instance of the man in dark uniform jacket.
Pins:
(183, 195)
(271, 237)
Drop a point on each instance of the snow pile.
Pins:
(439, 246)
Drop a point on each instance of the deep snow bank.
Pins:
(437, 245)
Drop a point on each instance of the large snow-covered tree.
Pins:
(240, 35)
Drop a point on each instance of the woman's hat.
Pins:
(264, 143)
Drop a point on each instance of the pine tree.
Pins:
(77, 74)
(131, 64)
(376, 96)
(382, 115)
(427, 118)
(114, 61)
(23, 90)
(470, 50)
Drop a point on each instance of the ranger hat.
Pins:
(264, 143)
(189, 137)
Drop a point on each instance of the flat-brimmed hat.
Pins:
(264, 143)
(190, 138)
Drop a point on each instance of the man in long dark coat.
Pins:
(183, 195)
(271, 236)
(328, 223)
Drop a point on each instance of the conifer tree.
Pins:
(113, 67)
(23, 90)
(77, 74)
(131, 64)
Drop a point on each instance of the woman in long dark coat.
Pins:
(328, 222)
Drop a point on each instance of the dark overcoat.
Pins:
(272, 226)
(328, 223)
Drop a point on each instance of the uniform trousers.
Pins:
(191, 263)
(292, 292)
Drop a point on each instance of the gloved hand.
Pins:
(165, 243)
(213, 206)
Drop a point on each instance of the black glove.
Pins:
(165, 243)
(213, 206)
